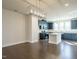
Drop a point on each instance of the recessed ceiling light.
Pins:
(66, 4)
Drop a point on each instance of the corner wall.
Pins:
(13, 28)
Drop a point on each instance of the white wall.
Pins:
(33, 29)
(13, 28)
(28, 26)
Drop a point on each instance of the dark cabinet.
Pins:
(69, 36)
(50, 25)
(43, 36)
(73, 24)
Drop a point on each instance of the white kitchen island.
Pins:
(54, 38)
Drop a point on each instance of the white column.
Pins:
(32, 28)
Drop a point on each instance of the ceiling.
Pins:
(52, 8)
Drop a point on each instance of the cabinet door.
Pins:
(50, 25)
(74, 24)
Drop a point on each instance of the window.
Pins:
(61, 26)
(55, 26)
(67, 25)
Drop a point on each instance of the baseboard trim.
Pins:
(7, 45)
(53, 42)
(34, 41)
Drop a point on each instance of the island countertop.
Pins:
(65, 31)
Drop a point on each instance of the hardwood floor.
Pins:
(40, 50)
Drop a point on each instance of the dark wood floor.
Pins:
(40, 50)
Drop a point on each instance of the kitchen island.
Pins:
(55, 36)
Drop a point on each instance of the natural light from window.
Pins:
(63, 25)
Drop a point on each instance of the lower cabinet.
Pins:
(43, 36)
(69, 36)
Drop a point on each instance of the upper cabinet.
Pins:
(50, 25)
(74, 23)
(42, 24)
